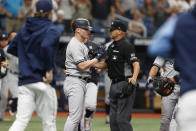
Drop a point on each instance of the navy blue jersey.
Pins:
(36, 45)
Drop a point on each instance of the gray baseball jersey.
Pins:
(76, 52)
(168, 103)
(107, 80)
(12, 61)
(167, 65)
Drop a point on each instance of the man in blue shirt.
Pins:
(36, 45)
(176, 38)
(11, 9)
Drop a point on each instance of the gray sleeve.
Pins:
(159, 61)
(78, 54)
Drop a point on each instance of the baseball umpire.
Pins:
(169, 101)
(36, 45)
(123, 69)
(78, 66)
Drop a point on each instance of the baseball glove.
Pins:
(163, 86)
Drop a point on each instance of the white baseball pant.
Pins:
(186, 117)
(39, 97)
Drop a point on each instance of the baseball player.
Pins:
(78, 72)
(3, 73)
(36, 45)
(4, 88)
(168, 102)
(11, 80)
(91, 87)
(107, 82)
(176, 38)
(12, 77)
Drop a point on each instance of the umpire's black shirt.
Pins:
(119, 59)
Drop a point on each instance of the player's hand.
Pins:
(100, 52)
(48, 77)
(4, 63)
(132, 80)
(65, 71)
(98, 70)
(147, 93)
(149, 80)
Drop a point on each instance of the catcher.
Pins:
(167, 86)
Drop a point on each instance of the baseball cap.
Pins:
(60, 12)
(118, 25)
(44, 6)
(3, 36)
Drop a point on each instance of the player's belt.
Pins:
(80, 77)
(13, 72)
(116, 80)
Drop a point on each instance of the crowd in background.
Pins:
(143, 16)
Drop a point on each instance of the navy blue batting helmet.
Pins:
(3, 36)
(81, 23)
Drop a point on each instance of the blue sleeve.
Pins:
(4, 3)
(21, 2)
(12, 48)
(49, 48)
(161, 42)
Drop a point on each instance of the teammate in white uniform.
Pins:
(78, 72)
(36, 46)
(169, 103)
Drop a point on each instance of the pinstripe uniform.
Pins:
(169, 102)
(10, 81)
(75, 85)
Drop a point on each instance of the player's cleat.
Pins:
(11, 112)
(13, 106)
(107, 119)
(87, 123)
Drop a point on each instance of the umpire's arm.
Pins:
(136, 70)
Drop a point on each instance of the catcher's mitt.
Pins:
(163, 86)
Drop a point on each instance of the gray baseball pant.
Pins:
(167, 109)
(90, 102)
(75, 89)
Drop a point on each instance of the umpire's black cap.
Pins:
(81, 23)
(118, 25)
(3, 36)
